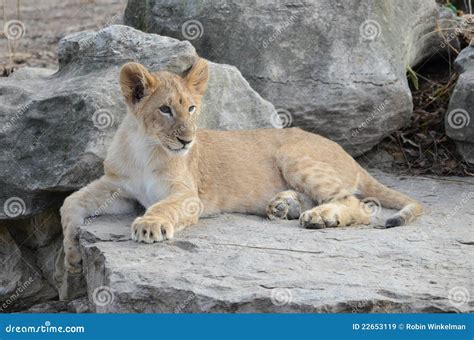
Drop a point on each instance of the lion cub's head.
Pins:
(165, 104)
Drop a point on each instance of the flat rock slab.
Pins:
(238, 263)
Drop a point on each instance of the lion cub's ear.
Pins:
(197, 77)
(136, 82)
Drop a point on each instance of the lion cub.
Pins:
(159, 158)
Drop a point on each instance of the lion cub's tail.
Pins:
(409, 208)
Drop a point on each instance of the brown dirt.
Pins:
(45, 23)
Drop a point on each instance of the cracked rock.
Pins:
(335, 69)
(55, 127)
(238, 263)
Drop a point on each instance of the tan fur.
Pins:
(285, 173)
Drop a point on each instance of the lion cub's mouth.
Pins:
(180, 151)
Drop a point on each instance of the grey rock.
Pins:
(459, 119)
(55, 128)
(22, 282)
(37, 232)
(48, 307)
(465, 60)
(237, 263)
(337, 69)
(75, 306)
(29, 73)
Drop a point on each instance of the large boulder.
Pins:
(338, 69)
(55, 128)
(28, 254)
(459, 120)
(238, 263)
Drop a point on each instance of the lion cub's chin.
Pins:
(176, 152)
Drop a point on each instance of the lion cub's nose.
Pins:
(184, 142)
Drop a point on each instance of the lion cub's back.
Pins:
(239, 168)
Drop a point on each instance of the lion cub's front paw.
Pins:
(151, 229)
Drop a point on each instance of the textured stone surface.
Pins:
(28, 251)
(55, 128)
(459, 120)
(75, 306)
(337, 68)
(237, 263)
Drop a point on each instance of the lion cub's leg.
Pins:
(338, 206)
(337, 213)
(97, 198)
(162, 219)
(288, 205)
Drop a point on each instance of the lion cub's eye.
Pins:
(192, 108)
(166, 110)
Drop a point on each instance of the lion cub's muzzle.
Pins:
(182, 145)
(184, 142)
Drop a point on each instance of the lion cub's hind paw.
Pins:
(325, 216)
(284, 206)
